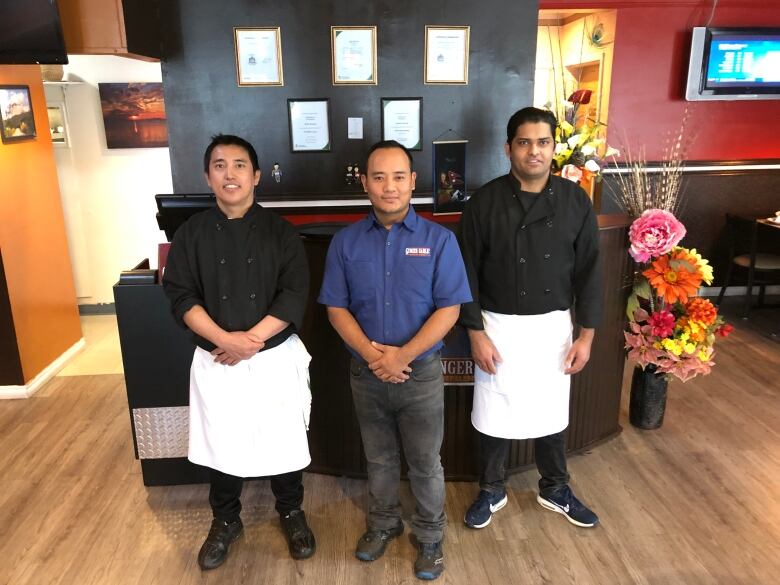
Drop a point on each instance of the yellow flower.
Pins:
(673, 346)
(690, 348)
(702, 355)
(685, 335)
(703, 265)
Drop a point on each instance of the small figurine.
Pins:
(349, 178)
(356, 173)
(276, 173)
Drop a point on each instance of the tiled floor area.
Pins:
(102, 354)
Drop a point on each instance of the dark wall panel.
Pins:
(202, 96)
(10, 361)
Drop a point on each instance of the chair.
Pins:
(742, 235)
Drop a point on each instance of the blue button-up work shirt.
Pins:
(393, 280)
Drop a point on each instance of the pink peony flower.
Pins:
(654, 234)
(571, 172)
(662, 323)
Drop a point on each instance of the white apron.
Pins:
(528, 396)
(250, 420)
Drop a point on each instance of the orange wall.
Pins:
(32, 238)
(652, 46)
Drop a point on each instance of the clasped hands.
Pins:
(236, 346)
(390, 363)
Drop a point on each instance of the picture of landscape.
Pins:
(134, 115)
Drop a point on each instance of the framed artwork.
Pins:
(353, 55)
(449, 176)
(402, 121)
(17, 121)
(134, 115)
(309, 121)
(58, 125)
(447, 54)
(259, 56)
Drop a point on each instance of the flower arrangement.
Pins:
(580, 153)
(669, 326)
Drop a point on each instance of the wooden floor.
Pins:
(694, 502)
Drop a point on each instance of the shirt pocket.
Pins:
(416, 283)
(360, 279)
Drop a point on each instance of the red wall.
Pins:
(648, 80)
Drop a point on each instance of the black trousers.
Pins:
(225, 494)
(550, 461)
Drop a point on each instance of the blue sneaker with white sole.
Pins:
(563, 501)
(481, 511)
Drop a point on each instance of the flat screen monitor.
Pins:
(174, 210)
(734, 63)
(31, 32)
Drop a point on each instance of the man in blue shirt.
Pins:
(393, 285)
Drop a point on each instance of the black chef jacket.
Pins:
(239, 270)
(531, 263)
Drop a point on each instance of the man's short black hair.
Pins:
(388, 144)
(533, 115)
(229, 139)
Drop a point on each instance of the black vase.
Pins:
(648, 398)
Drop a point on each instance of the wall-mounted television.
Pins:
(30, 32)
(734, 64)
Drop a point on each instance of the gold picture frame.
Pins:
(353, 55)
(446, 59)
(258, 53)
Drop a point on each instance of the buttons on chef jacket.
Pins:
(522, 260)
(547, 291)
(546, 256)
(225, 297)
(522, 227)
(549, 224)
(522, 293)
(252, 226)
(252, 296)
(219, 226)
(222, 261)
(250, 260)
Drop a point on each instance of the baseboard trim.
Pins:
(27, 390)
(98, 309)
(736, 291)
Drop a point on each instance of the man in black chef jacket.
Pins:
(237, 277)
(530, 245)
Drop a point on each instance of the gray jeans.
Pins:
(411, 413)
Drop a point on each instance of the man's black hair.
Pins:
(229, 139)
(387, 144)
(533, 115)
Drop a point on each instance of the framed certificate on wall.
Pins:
(309, 125)
(258, 56)
(402, 121)
(353, 55)
(447, 54)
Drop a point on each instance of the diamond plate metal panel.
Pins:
(163, 432)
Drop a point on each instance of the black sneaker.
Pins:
(300, 538)
(481, 511)
(373, 543)
(563, 501)
(215, 549)
(430, 561)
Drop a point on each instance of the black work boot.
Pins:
(373, 543)
(430, 561)
(300, 538)
(215, 549)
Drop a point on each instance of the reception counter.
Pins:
(156, 354)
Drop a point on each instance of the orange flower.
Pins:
(702, 310)
(673, 284)
(697, 336)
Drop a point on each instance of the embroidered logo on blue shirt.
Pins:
(418, 251)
